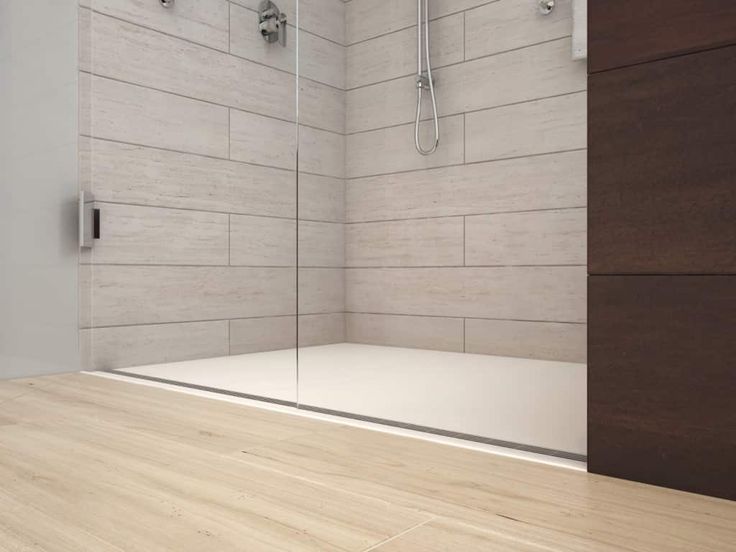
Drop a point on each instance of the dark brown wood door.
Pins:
(626, 32)
(662, 171)
(662, 381)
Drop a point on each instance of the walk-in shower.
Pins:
(267, 227)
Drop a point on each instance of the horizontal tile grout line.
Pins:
(346, 178)
(469, 112)
(201, 45)
(208, 102)
(474, 214)
(462, 62)
(467, 163)
(197, 210)
(480, 5)
(205, 266)
(206, 156)
(465, 317)
(292, 315)
(455, 266)
(324, 221)
(332, 267)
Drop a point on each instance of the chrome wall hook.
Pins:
(546, 6)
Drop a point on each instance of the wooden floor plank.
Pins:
(500, 492)
(442, 535)
(88, 463)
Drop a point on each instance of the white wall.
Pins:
(38, 187)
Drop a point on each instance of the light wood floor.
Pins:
(88, 463)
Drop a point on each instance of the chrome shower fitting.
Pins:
(546, 6)
(424, 80)
(167, 3)
(271, 22)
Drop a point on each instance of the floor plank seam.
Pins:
(315, 482)
(399, 535)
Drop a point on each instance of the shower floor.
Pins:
(540, 405)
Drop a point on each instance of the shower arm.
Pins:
(424, 82)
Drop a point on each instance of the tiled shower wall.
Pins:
(481, 246)
(188, 142)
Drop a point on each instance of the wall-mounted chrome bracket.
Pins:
(423, 81)
(167, 3)
(272, 22)
(89, 220)
(546, 6)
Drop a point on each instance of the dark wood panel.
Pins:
(662, 166)
(662, 381)
(625, 32)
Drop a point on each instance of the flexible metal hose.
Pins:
(425, 81)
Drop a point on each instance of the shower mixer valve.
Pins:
(271, 22)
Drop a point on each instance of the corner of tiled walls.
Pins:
(480, 247)
(188, 142)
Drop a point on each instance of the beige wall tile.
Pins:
(384, 104)
(125, 346)
(394, 55)
(146, 57)
(523, 293)
(508, 24)
(321, 106)
(133, 234)
(321, 60)
(321, 152)
(262, 140)
(321, 198)
(392, 149)
(125, 173)
(417, 332)
(369, 18)
(518, 76)
(84, 39)
(204, 21)
(129, 113)
(422, 242)
(543, 126)
(321, 329)
(129, 295)
(321, 290)
(542, 340)
(521, 75)
(543, 182)
(262, 241)
(321, 244)
(324, 18)
(534, 238)
(255, 335)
